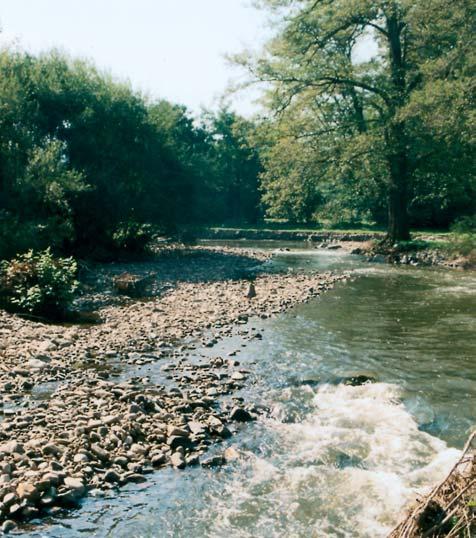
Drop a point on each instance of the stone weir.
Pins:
(287, 235)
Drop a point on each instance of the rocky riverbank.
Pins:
(76, 414)
(427, 257)
(363, 243)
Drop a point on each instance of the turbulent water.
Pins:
(332, 459)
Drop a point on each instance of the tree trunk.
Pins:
(398, 228)
(397, 147)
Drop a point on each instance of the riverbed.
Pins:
(330, 458)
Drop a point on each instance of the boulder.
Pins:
(239, 414)
(213, 461)
(178, 461)
(27, 491)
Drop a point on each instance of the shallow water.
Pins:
(332, 459)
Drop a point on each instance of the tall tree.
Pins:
(317, 66)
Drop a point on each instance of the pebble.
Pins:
(94, 431)
(8, 525)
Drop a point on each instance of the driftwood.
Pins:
(450, 508)
(133, 285)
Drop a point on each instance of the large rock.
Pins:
(52, 450)
(231, 454)
(73, 492)
(213, 461)
(112, 477)
(158, 459)
(12, 447)
(178, 461)
(27, 491)
(175, 431)
(99, 452)
(179, 441)
(239, 414)
(8, 525)
(37, 364)
(197, 427)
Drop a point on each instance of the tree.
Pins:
(357, 106)
(236, 166)
(87, 163)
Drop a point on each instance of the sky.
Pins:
(171, 49)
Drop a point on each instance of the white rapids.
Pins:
(345, 471)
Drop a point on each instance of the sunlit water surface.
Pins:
(332, 459)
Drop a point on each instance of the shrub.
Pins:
(38, 283)
(465, 225)
(464, 239)
(132, 236)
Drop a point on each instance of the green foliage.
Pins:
(235, 168)
(386, 135)
(464, 238)
(465, 225)
(132, 236)
(38, 283)
(411, 246)
(82, 153)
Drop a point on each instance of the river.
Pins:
(331, 459)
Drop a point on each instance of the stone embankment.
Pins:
(363, 243)
(101, 427)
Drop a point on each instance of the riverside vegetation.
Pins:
(93, 173)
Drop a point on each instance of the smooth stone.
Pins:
(52, 450)
(231, 454)
(239, 414)
(178, 441)
(99, 452)
(80, 458)
(27, 491)
(112, 477)
(136, 478)
(75, 485)
(213, 461)
(178, 461)
(12, 447)
(158, 459)
(8, 525)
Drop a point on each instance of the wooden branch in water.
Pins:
(408, 529)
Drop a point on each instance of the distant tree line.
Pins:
(85, 160)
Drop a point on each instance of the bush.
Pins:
(38, 283)
(132, 236)
(465, 225)
(464, 239)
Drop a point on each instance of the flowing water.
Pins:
(332, 459)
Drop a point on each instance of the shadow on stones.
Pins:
(116, 283)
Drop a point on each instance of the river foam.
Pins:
(348, 469)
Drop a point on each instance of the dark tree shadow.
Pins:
(161, 273)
